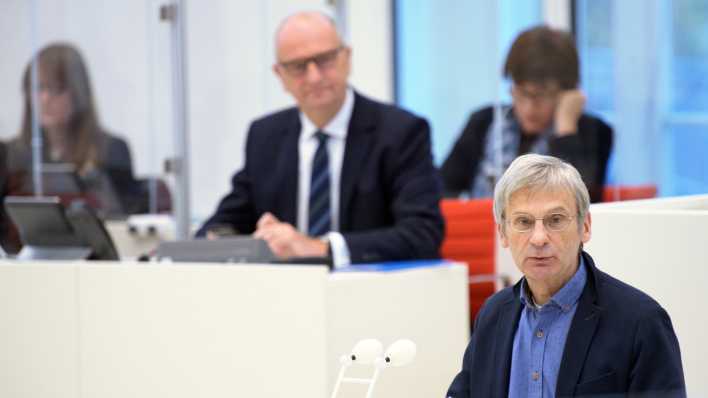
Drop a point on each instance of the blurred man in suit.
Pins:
(566, 329)
(339, 173)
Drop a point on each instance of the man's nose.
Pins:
(539, 235)
(312, 73)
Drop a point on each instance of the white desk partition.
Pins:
(148, 330)
(38, 332)
(427, 306)
(661, 247)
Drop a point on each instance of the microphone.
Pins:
(366, 351)
(400, 353)
(151, 226)
(369, 352)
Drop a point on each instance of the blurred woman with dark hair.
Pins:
(71, 133)
(546, 117)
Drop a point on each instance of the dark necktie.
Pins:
(319, 214)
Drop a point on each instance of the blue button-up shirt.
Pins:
(540, 339)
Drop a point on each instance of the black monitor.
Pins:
(236, 249)
(233, 249)
(49, 231)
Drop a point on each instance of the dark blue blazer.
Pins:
(620, 343)
(390, 190)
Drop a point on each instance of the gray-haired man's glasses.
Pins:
(323, 60)
(554, 222)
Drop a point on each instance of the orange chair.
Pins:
(613, 193)
(469, 237)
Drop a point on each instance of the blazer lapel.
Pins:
(357, 147)
(582, 330)
(506, 329)
(288, 165)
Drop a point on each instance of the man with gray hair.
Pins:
(566, 329)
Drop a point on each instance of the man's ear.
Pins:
(278, 71)
(348, 54)
(587, 229)
(502, 236)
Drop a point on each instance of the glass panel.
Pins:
(449, 59)
(686, 125)
(127, 51)
(594, 40)
(450, 62)
(649, 79)
(690, 56)
(87, 115)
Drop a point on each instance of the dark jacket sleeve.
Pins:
(118, 166)
(657, 371)
(236, 209)
(460, 386)
(589, 151)
(117, 155)
(461, 165)
(480, 365)
(413, 227)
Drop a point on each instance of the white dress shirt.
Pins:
(336, 129)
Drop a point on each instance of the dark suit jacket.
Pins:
(588, 150)
(389, 187)
(620, 343)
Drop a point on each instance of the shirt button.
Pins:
(539, 334)
(535, 376)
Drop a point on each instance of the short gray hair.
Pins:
(539, 172)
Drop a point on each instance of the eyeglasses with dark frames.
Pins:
(323, 60)
(544, 97)
(554, 222)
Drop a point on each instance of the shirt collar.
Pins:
(338, 126)
(567, 296)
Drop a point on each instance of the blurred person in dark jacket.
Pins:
(546, 117)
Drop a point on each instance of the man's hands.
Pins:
(570, 107)
(285, 241)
